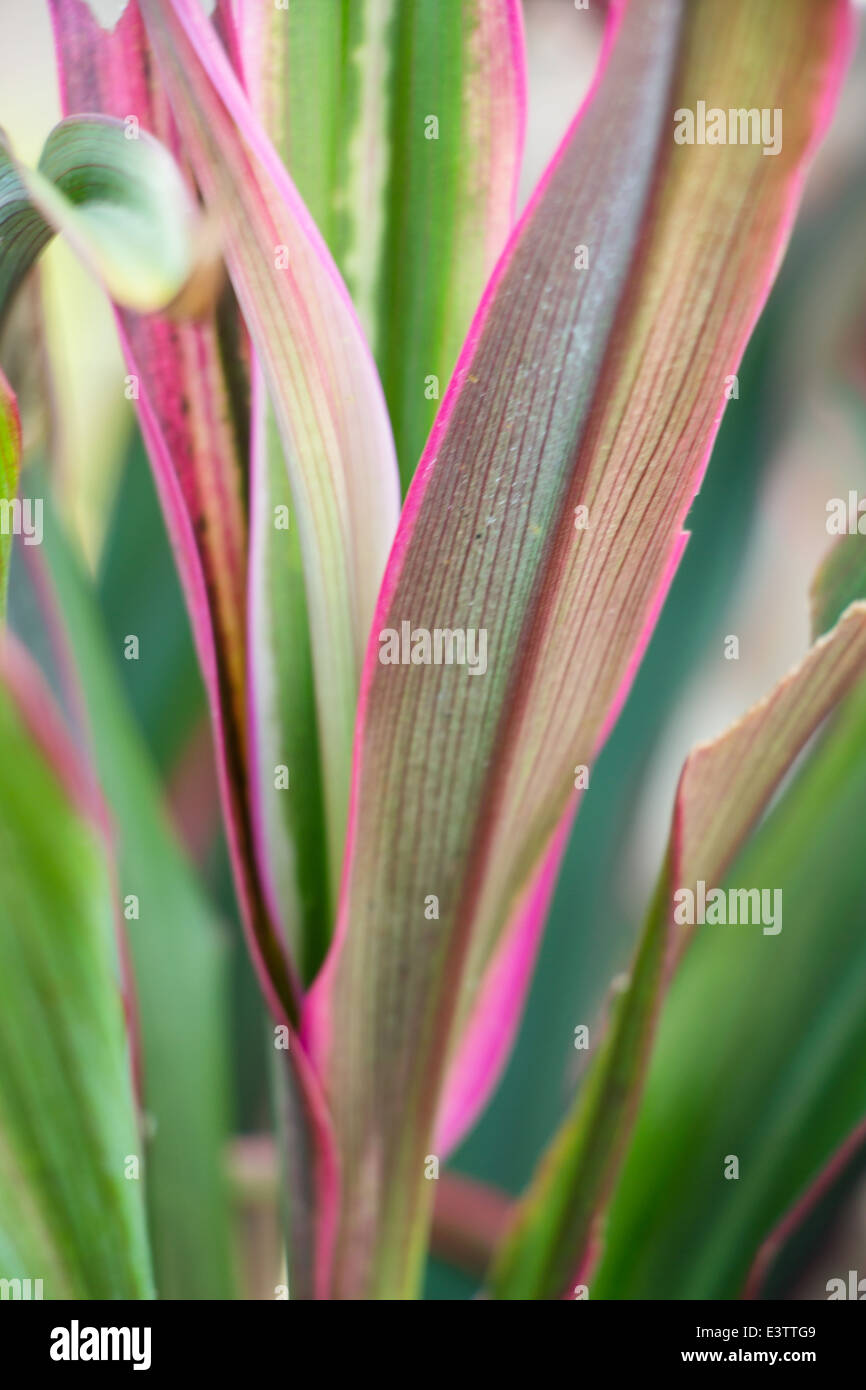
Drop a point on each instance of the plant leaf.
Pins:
(10, 460)
(177, 950)
(843, 1158)
(298, 874)
(840, 580)
(69, 1214)
(322, 382)
(575, 966)
(761, 1049)
(190, 430)
(185, 409)
(150, 603)
(576, 387)
(120, 202)
(415, 227)
(402, 127)
(724, 788)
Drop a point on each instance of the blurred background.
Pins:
(794, 437)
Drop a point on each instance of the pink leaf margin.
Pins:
(479, 1057)
(491, 1032)
(802, 1208)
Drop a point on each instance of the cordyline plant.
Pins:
(406, 701)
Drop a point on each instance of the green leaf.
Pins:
(320, 378)
(121, 202)
(761, 1053)
(402, 127)
(724, 788)
(299, 875)
(147, 600)
(71, 1203)
(415, 225)
(189, 379)
(179, 959)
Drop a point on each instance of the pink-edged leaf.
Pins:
(848, 1152)
(320, 376)
(724, 784)
(495, 1015)
(402, 127)
(495, 1018)
(773, 1000)
(415, 226)
(593, 377)
(724, 788)
(38, 712)
(69, 1218)
(184, 403)
(185, 406)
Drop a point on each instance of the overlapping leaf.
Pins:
(321, 380)
(796, 1006)
(415, 225)
(760, 1053)
(295, 862)
(579, 957)
(183, 386)
(593, 377)
(71, 1193)
(121, 203)
(328, 394)
(175, 947)
(402, 127)
(723, 790)
(830, 1181)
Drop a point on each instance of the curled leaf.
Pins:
(121, 202)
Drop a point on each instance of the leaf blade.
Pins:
(490, 783)
(799, 1082)
(415, 227)
(402, 127)
(724, 788)
(68, 1214)
(326, 395)
(184, 401)
(177, 952)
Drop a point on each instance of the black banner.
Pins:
(75, 1339)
